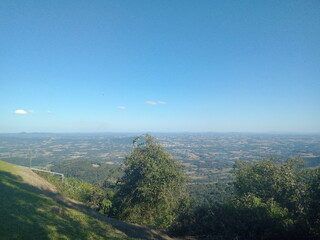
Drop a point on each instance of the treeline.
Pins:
(266, 199)
(269, 200)
(91, 172)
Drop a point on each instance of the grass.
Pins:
(28, 213)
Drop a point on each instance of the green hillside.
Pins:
(31, 209)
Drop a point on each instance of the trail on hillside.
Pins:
(47, 189)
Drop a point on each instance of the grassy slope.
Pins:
(26, 212)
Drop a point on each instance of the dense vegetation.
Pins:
(151, 191)
(270, 201)
(94, 196)
(89, 171)
(152, 188)
(266, 199)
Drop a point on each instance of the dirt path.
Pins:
(131, 230)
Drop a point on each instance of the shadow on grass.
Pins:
(131, 230)
(27, 212)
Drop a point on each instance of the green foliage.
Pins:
(91, 172)
(268, 180)
(249, 217)
(77, 189)
(208, 193)
(92, 195)
(313, 204)
(105, 206)
(271, 201)
(29, 213)
(152, 188)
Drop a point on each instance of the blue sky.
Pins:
(160, 66)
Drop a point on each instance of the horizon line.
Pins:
(171, 132)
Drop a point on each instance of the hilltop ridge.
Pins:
(31, 208)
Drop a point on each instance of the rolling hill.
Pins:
(31, 208)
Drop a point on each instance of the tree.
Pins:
(152, 188)
(271, 200)
(267, 180)
(313, 204)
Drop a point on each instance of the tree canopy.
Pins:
(268, 180)
(271, 200)
(152, 188)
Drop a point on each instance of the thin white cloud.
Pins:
(49, 112)
(151, 102)
(20, 111)
(155, 102)
(122, 108)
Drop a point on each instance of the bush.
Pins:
(152, 188)
(271, 201)
(92, 195)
